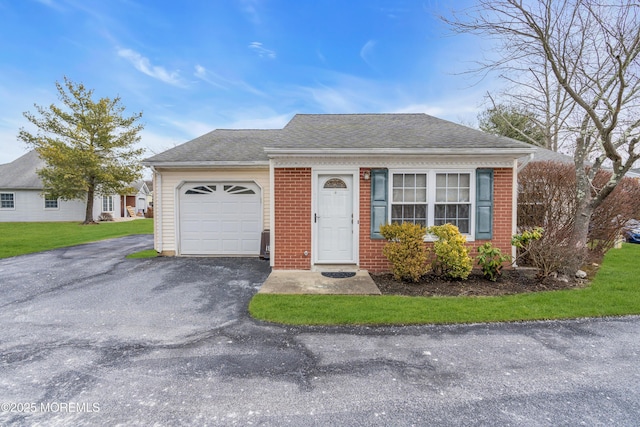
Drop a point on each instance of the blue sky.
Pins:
(194, 66)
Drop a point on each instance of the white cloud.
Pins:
(261, 51)
(143, 65)
(222, 83)
(249, 8)
(209, 77)
(367, 51)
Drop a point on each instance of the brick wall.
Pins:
(371, 257)
(292, 205)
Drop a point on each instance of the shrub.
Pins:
(490, 259)
(540, 252)
(452, 255)
(105, 216)
(405, 250)
(546, 197)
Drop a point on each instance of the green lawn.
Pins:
(17, 238)
(615, 291)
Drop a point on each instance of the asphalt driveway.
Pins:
(90, 338)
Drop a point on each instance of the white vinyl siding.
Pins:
(29, 207)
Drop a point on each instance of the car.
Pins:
(633, 235)
(632, 231)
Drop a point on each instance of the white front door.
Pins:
(334, 219)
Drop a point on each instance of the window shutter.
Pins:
(379, 202)
(484, 204)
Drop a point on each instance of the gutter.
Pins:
(157, 208)
(205, 164)
(525, 162)
(274, 152)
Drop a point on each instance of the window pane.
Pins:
(421, 195)
(441, 180)
(465, 179)
(464, 195)
(439, 211)
(463, 211)
(409, 195)
(452, 180)
(421, 211)
(409, 212)
(451, 212)
(463, 226)
(397, 195)
(397, 180)
(421, 180)
(452, 195)
(441, 195)
(396, 212)
(410, 180)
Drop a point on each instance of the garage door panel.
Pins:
(220, 219)
(250, 226)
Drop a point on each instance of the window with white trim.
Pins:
(432, 197)
(453, 200)
(409, 198)
(50, 202)
(107, 203)
(7, 201)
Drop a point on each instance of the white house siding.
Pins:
(170, 181)
(29, 207)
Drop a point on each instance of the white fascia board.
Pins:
(319, 152)
(207, 164)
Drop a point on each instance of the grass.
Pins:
(147, 253)
(17, 238)
(615, 291)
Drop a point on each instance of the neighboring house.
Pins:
(324, 184)
(22, 197)
(138, 199)
(545, 155)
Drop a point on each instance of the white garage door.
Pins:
(220, 218)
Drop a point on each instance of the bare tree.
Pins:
(580, 59)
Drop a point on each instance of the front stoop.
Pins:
(313, 282)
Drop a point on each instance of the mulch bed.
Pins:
(511, 282)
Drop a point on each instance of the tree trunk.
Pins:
(88, 215)
(584, 210)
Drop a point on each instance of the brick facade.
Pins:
(292, 218)
(371, 257)
(292, 201)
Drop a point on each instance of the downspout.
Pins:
(157, 209)
(514, 204)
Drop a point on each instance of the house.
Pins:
(324, 184)
(22, 198)
(138, 200)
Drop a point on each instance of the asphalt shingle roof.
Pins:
(21, 173)
(335, 131)
(386, 131)
(222, 145)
